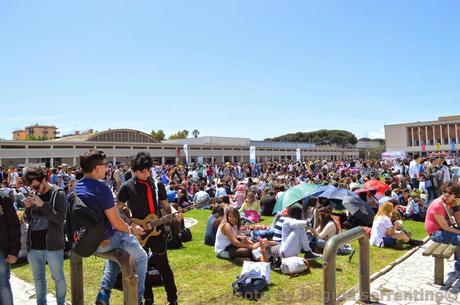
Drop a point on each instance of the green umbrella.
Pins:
(293, 195)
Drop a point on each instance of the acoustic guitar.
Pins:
(151, 222)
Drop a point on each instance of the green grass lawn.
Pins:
(201, 278)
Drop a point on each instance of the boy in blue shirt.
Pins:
(98, 197)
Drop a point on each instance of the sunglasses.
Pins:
(36, 187)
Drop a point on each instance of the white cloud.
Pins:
(380, 134)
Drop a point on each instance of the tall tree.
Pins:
(179, 135)
(36, 138)
(320, 137)
(158, 135)
(195, 133)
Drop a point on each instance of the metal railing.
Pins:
(128, 269)
(329, 267)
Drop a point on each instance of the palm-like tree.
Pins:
(195, 132)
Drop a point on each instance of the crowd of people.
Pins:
(238, 195)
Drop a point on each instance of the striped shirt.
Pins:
(278, 229)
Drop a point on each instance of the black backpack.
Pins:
(84, 228)
(250, 285)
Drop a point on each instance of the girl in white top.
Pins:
(231, 245)
(327, 227)
(383, 233)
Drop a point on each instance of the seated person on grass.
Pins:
(310, 211)
(294, 238)
(328, 226)
(213, 223)
(230, 244)
(251, 204)
(415, 207)
(383, 233)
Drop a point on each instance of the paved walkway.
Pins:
(411, 283)
(24, 293)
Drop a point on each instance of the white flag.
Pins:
(186, 153)
(252, 154)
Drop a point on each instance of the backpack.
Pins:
(186, 235)
(173, 238)
(84, 228)
(250, 285)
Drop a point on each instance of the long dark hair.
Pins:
(235, 213)
(311, 203)
(325, 215)
(219, 211)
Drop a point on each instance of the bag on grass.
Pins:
(252, 215)
(294, 265)
(186, 235)
(250, 285)
(261, 267)
(345, 249)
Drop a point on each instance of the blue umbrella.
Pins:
(318, 192)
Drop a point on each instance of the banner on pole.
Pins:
(186, 153)
(252, 154)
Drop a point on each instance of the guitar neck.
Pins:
(171, 216)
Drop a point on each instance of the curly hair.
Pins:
(141, 161)
(35, 173)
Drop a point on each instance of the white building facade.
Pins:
(120, 144)
(425, 137)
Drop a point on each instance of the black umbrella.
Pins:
(336, 195)
(359, 209)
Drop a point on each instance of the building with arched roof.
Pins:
(111, 135)
(120, 144)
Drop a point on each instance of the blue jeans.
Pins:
(268, 234)
(6, 297)
(448, 238)
(55, 259)
(130, 244)
(389, 241)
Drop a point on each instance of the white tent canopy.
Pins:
(392, 155)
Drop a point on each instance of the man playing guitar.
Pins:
(144, 196)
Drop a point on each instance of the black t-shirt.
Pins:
(267, 203)
(38, 237)
(134, 193)
(211, 192)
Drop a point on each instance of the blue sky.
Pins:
(255, 69)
